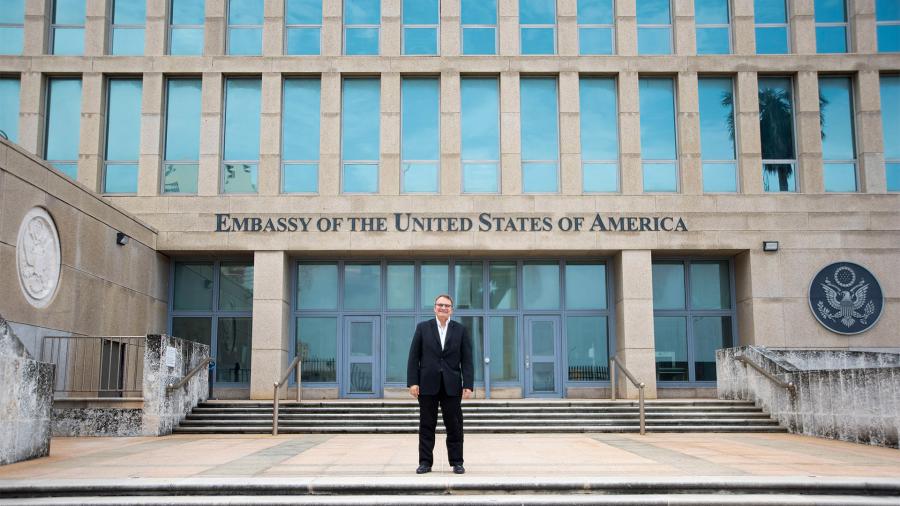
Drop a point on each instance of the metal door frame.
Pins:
(557, 359)
(344, 382)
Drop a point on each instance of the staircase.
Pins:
(481, 416)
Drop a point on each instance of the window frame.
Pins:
(588, 26)
(854, 135)
(54, 26)
(224, 162)
(346, 162)
(795, 162)
(45, 128)
(21, 27)
(437, 28)
(618, 161)
(786, 25)
(283, 161)
(437, 161)
(164, 135)
(879, 24)
(289, 26)
(523, 161)
(110, 40)
(670, 26)
(229, 27)
(105, 163)
(889, 161)
(737, 136)
(544, 26)
(848, 39)
(170, 26)
(677, 140)
(727, 26)
(495, 27)
(348, 26)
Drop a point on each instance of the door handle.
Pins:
(487, 360)
(527, 363)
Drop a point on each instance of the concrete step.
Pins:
(482, 429)
(471, 422)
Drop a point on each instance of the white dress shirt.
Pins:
(442, 330)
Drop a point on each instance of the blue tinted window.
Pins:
(596, 27)
(658, 146)
(890, 121)
(540, 134)
(362, 12)
(654, 21)
(187, 12)
(420, 27)
(595, 12)
(63, 111)
(420, 134)
(599, 134)
(183, 120)
(360, 134)
(537, 12)
(69, 12)
(12, 25)
(9, 108)
(480, 132)
(245, 19)
(769, 11)
(537, 19)
(303, 12)
(595, 41)
(713, 26)
(129, 12)
(717, 133)
(420, 12)
(479, 12)
(887, 20)
(300, 135)
(771, 26)
(128, 18)
(838, 142)
(68, 27)
(186, 27)
(303, 27)
(362, 19)
(123, 135)
(831, 26)
(830, 11)
(241, 145)
(479, 26)
(772, 40)
(776, 126)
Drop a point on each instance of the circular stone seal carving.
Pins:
(846, 298)
(38, 257)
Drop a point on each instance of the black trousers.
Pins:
(451, 409)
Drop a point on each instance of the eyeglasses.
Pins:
(448, 306)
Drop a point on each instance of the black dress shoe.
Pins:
(424, 469)
(459, 469)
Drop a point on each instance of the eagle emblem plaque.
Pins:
(846, 298)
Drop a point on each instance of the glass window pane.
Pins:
(668, 285)
(888, 38)
(303, 41)
(362, 286)
(475, 325)
(187, 12)
(540, 178)
(654, 41)
(479, 12)
(769, 11)
(600, 177)
(540, 285)
(197, 329)
(719, 177)
(419, 178)
(587, 348)
(360, 178)
(710, 285)
(670, 334)
(245, 41)
(420, 119)
(657, 103)
(180, 178)
(836, 115)
(653, 12)
(245, 12)
(708, 12)
(401, 287)
(887, 10)
(361, 41)
(300, 119)
(660, 177)
(361, 119)
(480, 121)
(779, 177)
(11, 39)
(771, 40)
(503, 285)
(233, 357)
(890, 115)
(9, 108)
(13, 12)
(399, 331)
(830, 11)
(362, 12)
(129, 12)
(435, 278)
(713, 41)
(186, 41)
(420, 12)
(123, 127)
(504, 364)
(595, 12)
(63, 111)
(421, 41)
(532, 12)
(585, 286)
(595, 41)
(193, 286)
(300, 178)
(538, 40)
(242, 119)
(481, 178)
(120, 178)
(831, 39)
(183, 119)
(716, 118)
(599, 121)
(235, 287)
(303, 12)
(69, 169)
(469, 290)
(840, 177)
(540, 119)
(776, 118)
(68, 41)
(240, 178)
(711, 333)
(69, 12)
(893, 176)
(317, 286)
(479, 40)
(317, 348)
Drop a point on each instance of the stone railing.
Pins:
(836, 394)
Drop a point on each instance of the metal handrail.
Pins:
(295, 364)
(745, 360)
(174, 386)
(613, 362)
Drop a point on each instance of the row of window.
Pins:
(480, 133)
(421, 27)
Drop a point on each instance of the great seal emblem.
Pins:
(38, 257)
(846, 298)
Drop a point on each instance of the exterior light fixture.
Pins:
(121, 238)
(770, 246)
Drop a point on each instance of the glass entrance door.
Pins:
(362, 376)
(542, 352)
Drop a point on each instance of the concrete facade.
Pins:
(813, 228)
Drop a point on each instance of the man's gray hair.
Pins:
(443, 295)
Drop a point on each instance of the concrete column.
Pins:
(630, 133)
(508, 25)
(567, 27)
(760, 301)
(214, 27)
(155, 32)
(389, 170)
(390, 28)
(689, 164)
(93, 124)
(332, 30)
(31, 111)
(685, 31)
(746, 117)
(37, 24)
(451, 144)
(451, 38)
(271, 317)
(635, 341)
(802, 26)
(809, 133)
(270, 135)
(273, 28)
(626, 28)
(330, 143)
(96, 26)
(211, 95)
(863, 37)
(569, 134)
(153, 91)
(510, 134)
(743, 30)
(870, 147)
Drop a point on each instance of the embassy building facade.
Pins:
(586, 178)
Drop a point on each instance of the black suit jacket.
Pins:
(428, 362)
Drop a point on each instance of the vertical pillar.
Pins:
(567, 28)
(214, 27)
(389, 176)
(635, 342)
(870, 149)
(760, 302)
(96, 27)
(630, 133)
(31, 112)
(569, 134)
(332, 30)
(451, 41)
(809, 133)
(802, 26)
(685, 31)
(746, 116)
(862, 26)
(273, 28)
(626, 28)
(210, 133)
(691, 170)
(271, 312)
(37, 25)
(508, 26)
(157, 24)
(743, 28)
(510, 126)
(390, 28)
(93, 123)
(270, 135)
(451, 143)
(151, 134)
(330, 138)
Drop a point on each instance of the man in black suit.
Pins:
(440, 371)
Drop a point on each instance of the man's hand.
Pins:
(414, 391)
(466, 393)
